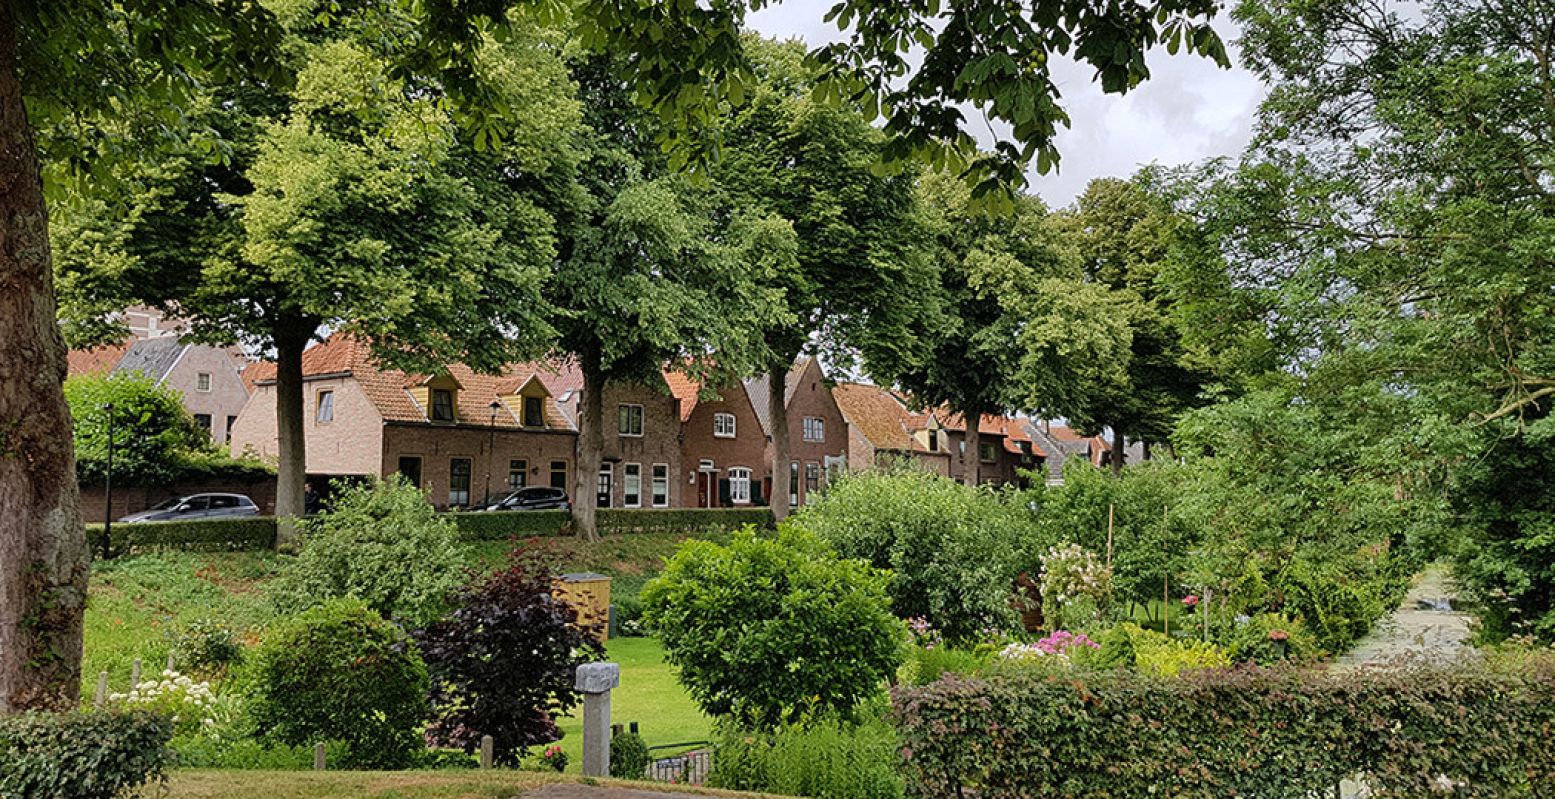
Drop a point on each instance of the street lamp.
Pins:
(491, 447)
(108, 489)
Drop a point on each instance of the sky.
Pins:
(1189, 110)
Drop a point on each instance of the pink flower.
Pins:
(1190, 600)
(1278, 635)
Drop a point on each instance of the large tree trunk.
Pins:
(43, 553)
(1118, 445)
(777, 417)
(591, 447)
(291, 440)
(971, 458)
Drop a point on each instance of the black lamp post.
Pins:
(491, 447)
(108, 489)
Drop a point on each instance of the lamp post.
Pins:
(491, 448)
(108, 489)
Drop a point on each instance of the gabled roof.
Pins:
(759, 388)
(879, 414)
(152, 357)
(1012, 430)
(386, 389)
(686, 390)
(96, 360)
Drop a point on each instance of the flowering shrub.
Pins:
(188, 704)
(554, 757)
(1074, 585)
(1269, 638)
(1056, 645)
(923, 633)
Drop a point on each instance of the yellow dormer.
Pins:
(438, 396)
(527, 403)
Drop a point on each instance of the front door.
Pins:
(606, 480)
(705, 489)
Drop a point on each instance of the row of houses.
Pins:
(466, 437)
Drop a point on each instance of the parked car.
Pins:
(197, 506)
(533, 498)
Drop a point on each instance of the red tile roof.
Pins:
(96, 360)
(686, 390)
(880, 416)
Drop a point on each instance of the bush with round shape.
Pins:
(629, 756)
(1269, 638)
(503, 661)
(383, 544)
(770, 630)
(340, 672)
(82, 755)
(207, 647)
(952, 550)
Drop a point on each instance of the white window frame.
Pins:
(661, 485)
(739, 486)
(814, 428)
(202, 382)
(723, 425)
(631, 472)
(642, 421)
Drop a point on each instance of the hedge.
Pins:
(81, 755)
(1273, 734)
(201, 535)
(500, 525)
(523, 524)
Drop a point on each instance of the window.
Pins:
(222, 501)
(661, 485)
(204, 421)
(518, 474)
(631, 420)
(202, 382)
(534, 412)
(410, 467)
(812, 480)
(814, 428)
(442, 405)
(459, 482)
(326, 407)
(632, 485)
(793, 484)
(740, 486)
(934, 441)
(231, 420)
(706, 465)
(985, 452)
(723, 425)
(559, 475)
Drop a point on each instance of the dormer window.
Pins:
(534, 412)
(934, 441)
(442, 405)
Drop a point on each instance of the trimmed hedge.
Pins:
(1274, 734)
(527, 524)
(196, 535)
(81, 755)
(500, 525)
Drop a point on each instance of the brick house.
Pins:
(817, 431)
(723, 446)
(208, 378)
(461, 436)
(881, 431)
(1007, 447)
(641, 459)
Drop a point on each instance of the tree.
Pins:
(1123, 234)
(153, 434)
(64, 62)
(772, 630)
(858, 278)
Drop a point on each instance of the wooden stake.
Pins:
(170, 661)
(318, 757)
(1166, 601)
(1109, 536)
(135, 673)
(102, 689)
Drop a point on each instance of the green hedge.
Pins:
(500, 525)
(199, 535)
(81, 755)
(1271, 734)
(526, 524)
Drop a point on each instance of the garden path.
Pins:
(1425, 627)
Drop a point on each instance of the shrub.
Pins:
(1074, 586)
(769, 629)
(382, 543)
(1159, 656)
(206, 647)
(187, 703)
(681, 520)
(951, 549)
(1238, 732)
(340, 672)
(81, 755)
(927, 665)
(1269, 638)
(828, 759)
(479, 526)
(626, 613)
(503, 661)
(629, 756)
(244, 534)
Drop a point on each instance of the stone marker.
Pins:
(102, 689)
(135, 673)
(595, 681)
(318, 757)
(488, 749)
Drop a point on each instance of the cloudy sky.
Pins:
(1188, 110)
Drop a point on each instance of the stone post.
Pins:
(595, 681)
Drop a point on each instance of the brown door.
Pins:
(704, 489)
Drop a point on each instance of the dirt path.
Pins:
(1425, 627)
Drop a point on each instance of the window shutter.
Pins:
(723, 492)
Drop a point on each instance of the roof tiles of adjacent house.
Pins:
(1012, 430)
(389, 390)
(880, 416)
(96, 360)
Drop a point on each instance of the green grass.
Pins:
(204, 784)
(649, 695)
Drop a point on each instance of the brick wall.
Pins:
(127, 500)
(812, 397)
(490, 453)
(659, 443)
(748, 448)
(350, 444)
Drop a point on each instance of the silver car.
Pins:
(197, 506)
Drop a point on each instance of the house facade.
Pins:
(208, 378)
(723, 446)
(641, 457)
(882, 432)
(817, 432)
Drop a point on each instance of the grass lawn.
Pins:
(649, 696)
(380, 784)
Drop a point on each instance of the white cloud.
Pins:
(1188, 110)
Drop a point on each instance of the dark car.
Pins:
(534, 498)
(197, 506)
